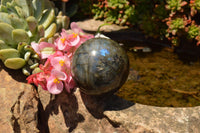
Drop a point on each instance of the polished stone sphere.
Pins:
(100, 66)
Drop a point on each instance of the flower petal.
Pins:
(75, 41)
(56, 63)
(69, 83)
(46, 49)
(75, 28)
(61, 44)
(43, 45)
(54, 88)
(46, 52)
(60, 63)
(35, 46)
(63, 33)
(58, 74)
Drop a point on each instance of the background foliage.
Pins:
(171, 19)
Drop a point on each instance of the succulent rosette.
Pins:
(23, 22)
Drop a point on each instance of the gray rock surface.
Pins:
(158, 119)
(92, 25)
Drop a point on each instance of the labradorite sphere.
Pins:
(100, 66)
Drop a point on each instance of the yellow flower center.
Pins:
(56, 81)
(62, 40)
(61, 62)
(74, 35)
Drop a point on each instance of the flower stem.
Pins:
(98, 30)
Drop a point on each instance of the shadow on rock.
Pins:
(96, 105)
(15, 74)
(68, 105)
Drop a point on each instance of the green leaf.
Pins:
(50, 31)
(38, 6)
(14, 63)
(3, 45)
(16, 22)
(20, 35)
(6, 32)
(20, 48)
(20, 12)
(32, 24)
(47, 18)
(26, 6)
(3, 2)
(4, 17)
(8, 53)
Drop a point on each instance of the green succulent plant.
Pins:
(193, 31)
(23, 22)
(175, 5)
(115, 11)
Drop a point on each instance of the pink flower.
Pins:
(62, 41)
(68, 42)
(74, 39)
(54, 82)
(69, 83)
(78, 33)
(76, 29)
(44, 49)
(61, 63)
(55, 74)
(39, 78)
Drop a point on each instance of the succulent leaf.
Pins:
(38, 6)
(32, 24)
(4, 17)
(30, 62)
(20, 35)
(28, 48)
(34, 66)
(25, 71)
(3, 45)
(47, 18)
(16, 22)
(27, 56)
(35, 56)
(50, 31)
(3, 9)
(62, 21)
(14, 63)
(27, 7)
(11, 7)
(20, 48)
(3, 2)
(6, 32)
(20, 12)
(8, 53)
(65, 22)
(41, 30)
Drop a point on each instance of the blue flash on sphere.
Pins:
(104, 52)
